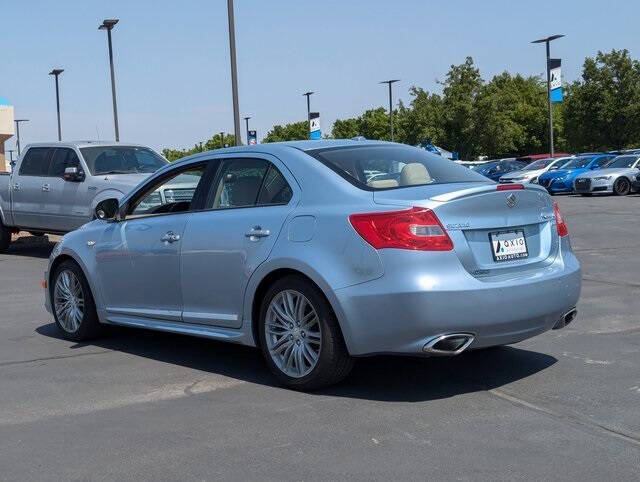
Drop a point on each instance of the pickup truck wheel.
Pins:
(5, 238)
(72, 303)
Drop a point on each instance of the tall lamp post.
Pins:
(308, 96)
(390, 82)
(234, 73)
(108, 25)
(17, 121)
(246, 120)
(56, 73)
(547, 41)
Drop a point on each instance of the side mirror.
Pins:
(107, 209)
(73, 174)
(553, 168)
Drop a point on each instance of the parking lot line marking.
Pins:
(629, 437)
(59, 357)
(614, 283)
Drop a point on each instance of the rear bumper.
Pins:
(403, 310)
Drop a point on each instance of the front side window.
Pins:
(121, 160)
(63, 158)
(171, 195)
(36, 162)
(389, 166)
(603, 160)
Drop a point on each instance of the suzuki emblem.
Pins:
(512, 200)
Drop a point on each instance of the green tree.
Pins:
(216, 141)
(510, 116)
(602, 109)
(346, 129)
(460, 90)
(288, 132)
(373, 124)
(421, 120)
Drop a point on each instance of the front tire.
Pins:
(5, 238)
(300, 336)
(73, 307)
(622, 187)
(585, 194)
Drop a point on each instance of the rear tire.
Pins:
(5, 238)
(622, 187)
(72, 303)
(300, 337)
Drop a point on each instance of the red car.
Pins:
(534, 157)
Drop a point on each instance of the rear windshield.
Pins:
(380, 167)
(121, 160)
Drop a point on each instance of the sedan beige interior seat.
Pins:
(414, 173)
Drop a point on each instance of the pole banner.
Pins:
(253, 138)
(555, 70)
(314, 125)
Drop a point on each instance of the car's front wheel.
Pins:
(72, 303)
(622, 187)
(300, 336)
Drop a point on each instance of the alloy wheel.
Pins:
(293, 333)
(68, 301)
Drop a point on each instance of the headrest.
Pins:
(382, 183)
(414, 173)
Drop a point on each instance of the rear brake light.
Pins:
(415, 228)
(560, 224)
(509, 187)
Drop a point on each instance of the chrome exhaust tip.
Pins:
(449, 344)
(567, 318)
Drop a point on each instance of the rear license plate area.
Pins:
(508, 245)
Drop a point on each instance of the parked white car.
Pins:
(530, 173)
(617, 177)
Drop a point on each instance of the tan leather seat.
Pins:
(414, 173)
(382, 183)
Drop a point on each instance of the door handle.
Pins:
(170, 237)
(256, 233)
(45, 187)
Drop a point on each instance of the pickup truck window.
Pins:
(62, 158)
(36, 162)
(121, 160)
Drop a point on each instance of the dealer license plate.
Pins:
(508, 245)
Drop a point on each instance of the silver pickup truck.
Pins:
(54, 187)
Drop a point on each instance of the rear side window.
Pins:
(275, 189)
(36, 162)
(63, 158)
(375, 167)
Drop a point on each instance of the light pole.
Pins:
(234, 73)
(108, 25)
(246, 120)
(56, 73)
(390, 82)
(221, 140)
(308, 96)
(547, 41)
(17, 121)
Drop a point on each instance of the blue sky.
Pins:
(172, 57)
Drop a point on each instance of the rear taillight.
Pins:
(560, 224)
(415, 228)
(509, 187)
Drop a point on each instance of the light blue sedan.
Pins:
(319, 252)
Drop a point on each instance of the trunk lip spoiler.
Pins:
(450, 196)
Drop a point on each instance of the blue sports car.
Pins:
(561, 180)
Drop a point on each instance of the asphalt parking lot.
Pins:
(150, 406)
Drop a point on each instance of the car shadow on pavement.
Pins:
(31, 246)
(381, 378)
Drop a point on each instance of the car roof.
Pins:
(86, 143)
